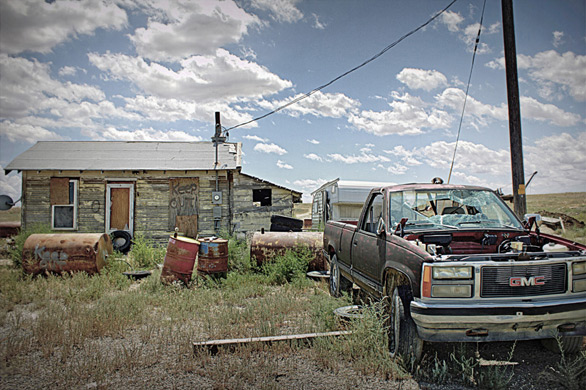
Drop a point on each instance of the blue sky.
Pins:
(159, 69)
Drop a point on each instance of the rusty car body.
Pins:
(453, 263)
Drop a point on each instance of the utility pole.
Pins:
(515, 136)
(217, 194)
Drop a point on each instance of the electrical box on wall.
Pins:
(216, 197)
(217, 213)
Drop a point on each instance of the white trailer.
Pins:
(340, 200)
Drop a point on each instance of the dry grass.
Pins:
(570, 203)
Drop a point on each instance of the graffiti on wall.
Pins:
(182, 199)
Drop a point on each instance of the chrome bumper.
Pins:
(499, 321)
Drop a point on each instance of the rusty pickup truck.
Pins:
(454, 264)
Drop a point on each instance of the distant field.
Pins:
(12, 215)
(569, 203)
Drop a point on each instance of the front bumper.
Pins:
(499, 321)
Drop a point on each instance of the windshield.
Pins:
(450, 209)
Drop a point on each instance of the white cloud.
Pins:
(554, 72)
(40, 25)
(470, 158)
(67, 71)
(468, 34)
(408, 157)
(329, 105)
(397, 169)
(171, 110)
(408, 116)
(27, 87)
(254, 138)
(283, 165)
(10, 184)
(222, 76)
(180, 29)
(558, 38)
(313, 156)
(317, 23)
(15, 132)
(313, 141)
(364, 157)
(454, 99)
(452, 20)
(280, 10)
(307, 186)
(269, 148)
(560, 161)
(533, 109)
(148, 134)
(422, 79)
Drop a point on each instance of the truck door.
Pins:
(368, 249)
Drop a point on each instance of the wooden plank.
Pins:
(120, 208)
(213, 345)
(187, 224)
(59, 190)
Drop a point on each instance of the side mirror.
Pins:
(531, 219)
(380, 227)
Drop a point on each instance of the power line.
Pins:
(308, 94)
(467, 88)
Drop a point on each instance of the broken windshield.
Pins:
(451, 209)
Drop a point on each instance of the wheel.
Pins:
(404, 341)
(121, 241)
(338, 283)
(570, 344)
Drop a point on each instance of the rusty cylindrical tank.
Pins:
(179, 259)
(265, 246)
(213, 257)
(70, 252)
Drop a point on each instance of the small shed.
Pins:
(340, 200)
(145, 187)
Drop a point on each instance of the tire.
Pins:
(404, 342)
(338, 283)
(349, 313)
(569, 344)
(121, 241)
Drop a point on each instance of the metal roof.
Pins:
(298, 193)
(118, 156)
(348, 184)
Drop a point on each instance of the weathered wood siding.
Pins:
(152, 197)
(248, 217)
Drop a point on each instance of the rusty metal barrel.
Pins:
(72, 252)
(179, 259)
(213, 257)
(265, 246)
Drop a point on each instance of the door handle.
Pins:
(355, 243)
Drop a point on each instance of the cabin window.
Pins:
(262, 197)
(63, 203)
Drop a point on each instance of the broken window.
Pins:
(63, 195)
(262, 197)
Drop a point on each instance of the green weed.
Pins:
(288, 267)
(144, 254)
(15, 251)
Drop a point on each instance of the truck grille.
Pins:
(523, 280)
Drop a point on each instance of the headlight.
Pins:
(451, 291)
(579, 268)
(452, 272)
(579, 285)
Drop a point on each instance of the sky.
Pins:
(158, 70)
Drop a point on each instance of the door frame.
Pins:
(109, 187)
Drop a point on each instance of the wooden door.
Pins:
(120, 207)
